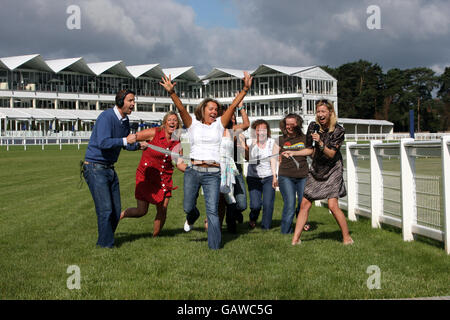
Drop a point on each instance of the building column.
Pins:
(11, 102)
(336, 110)
(34, 103)
(171, 107)
(97, 105)
(77, 104)
(56, 103)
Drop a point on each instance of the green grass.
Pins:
(48, 223)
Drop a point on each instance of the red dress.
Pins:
(154, 173)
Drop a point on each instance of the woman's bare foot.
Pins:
(348, 241)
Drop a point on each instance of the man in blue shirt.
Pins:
(110, 135)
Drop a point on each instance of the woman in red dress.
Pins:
(154, 174)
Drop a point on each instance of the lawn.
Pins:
(48, 223)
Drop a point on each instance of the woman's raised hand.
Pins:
(247, 80)
(167, 83)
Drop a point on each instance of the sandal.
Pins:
(252, 224)
(306, 227)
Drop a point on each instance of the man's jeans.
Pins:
(104, 186)
(210, 183)
(291, 189)
(261, 194)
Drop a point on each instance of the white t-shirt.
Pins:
(259, 169)
(205, 140)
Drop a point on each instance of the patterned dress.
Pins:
(154, 173)
(325, 178)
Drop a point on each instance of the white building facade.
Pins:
(66, 95)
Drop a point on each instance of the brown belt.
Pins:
(205, 164)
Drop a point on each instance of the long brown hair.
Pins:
(297, 129)
(199, 111)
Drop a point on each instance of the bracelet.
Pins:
(321, 147)
(240, 108)
(171, 91)
(246, 90)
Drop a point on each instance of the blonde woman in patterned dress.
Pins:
(325, 179)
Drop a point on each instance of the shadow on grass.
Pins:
(242, 228)
(333, 235)
(123, 237)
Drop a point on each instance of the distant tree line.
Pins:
(365, 92)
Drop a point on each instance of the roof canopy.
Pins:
(224, 72)
(266, 68)
(33, 61)
(72, 64)
(111, 67)
(148, 70)
(184, 73)
(154, 71)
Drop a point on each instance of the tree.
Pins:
(444, 95)
(359, 89)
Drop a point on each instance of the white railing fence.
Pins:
(404, 184)
(394, 136)
(23, 142)
(50, 133)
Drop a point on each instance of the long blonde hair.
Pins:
(333, 116)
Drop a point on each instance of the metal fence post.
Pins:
(376, 185)
(351, 182)
(407, 169)
(445, 140)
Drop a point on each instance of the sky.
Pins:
(234, 34)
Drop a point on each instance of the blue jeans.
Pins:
(291, 189)
(261, 194)
(104, 186)
(210, 182)
(240, 194)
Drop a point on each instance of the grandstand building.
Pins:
(65, 96)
